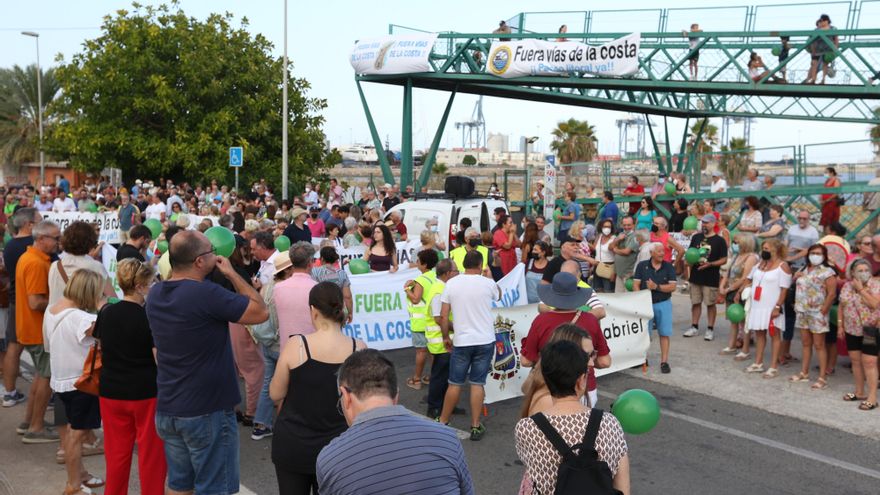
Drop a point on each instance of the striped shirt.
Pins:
(390, 450)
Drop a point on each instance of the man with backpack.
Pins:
(546, 442)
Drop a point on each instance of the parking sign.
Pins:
(236, 156)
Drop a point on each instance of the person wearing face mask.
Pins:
(660, 233)
(799, 238)
(633, 188)
(603, 269)
(626, 250)
(535, 267)
(857, 321)
(472, 243)
(705, 277)
(315, 224)
(830, 202)
(769, 281)
(732, 283)
(127, 390)
(816, 287)
(310, 197)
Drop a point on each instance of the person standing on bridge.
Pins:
(693, 42)
(469, 297)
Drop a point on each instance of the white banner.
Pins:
(625, 327)
(108, 258)
(550, 172)
(108, 223)
(513, 288)
(509, 59)
(398, 54)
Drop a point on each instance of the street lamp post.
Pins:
(528, 141)
(284, 171)
(36, 37)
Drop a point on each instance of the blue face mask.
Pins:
(734, 249)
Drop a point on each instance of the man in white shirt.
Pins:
(43, 204)
(174, 198)
(469, 296)
(719, 185)
(63, 203)
(156, 209)
(311, 196)
(263, 249)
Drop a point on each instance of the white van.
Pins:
(448, 212)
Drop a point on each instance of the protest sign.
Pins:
(108, 223)
(513, 288)
(108, 258)
(533, 57)
(625, 327)
(398, 54)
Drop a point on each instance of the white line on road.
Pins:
(808, 454)
(243, 490)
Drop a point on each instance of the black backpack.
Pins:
(582, 472)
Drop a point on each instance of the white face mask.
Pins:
(863, 276)
(816, 259)
(308, 189)
(606, 230)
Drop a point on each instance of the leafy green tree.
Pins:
(874, 133)
(707, 143)
(163, 94)
(19, 113)
(438, 176)
(469, 160)
(574, 141)
(735, 160)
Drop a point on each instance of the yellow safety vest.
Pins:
(458, 254)
(419, 313)
(433, 334)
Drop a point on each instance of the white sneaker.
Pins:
(691, 332)
(710, 335)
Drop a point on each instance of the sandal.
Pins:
(800, 377)
(414, 383)
(770, 373)
(426, 380)
(820, 384)
(97, 447)
(867, 406)
(755, 368)
(728, 350)
(93, 482)
(741, 356)
(851, 397)
(70, 490)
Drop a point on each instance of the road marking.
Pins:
(808, 454)
(243, 490)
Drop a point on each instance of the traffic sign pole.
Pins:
(236, 180)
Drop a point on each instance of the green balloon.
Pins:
(692, 256)
(736, 313)
(556, 215)
(832, 315)
(776, 51)
(669, 187)
(6, 238)
(704, 252)
(829, 57)
(174, 217)
(222, 239)
(282, 243)
(629, 284)
(93, 208)
(358, 266)
(690, 223)
(162, 246)
(637, 410)
(112, 300)
(155, 227)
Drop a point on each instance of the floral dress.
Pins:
(857, 314)
(751, 219)
(810, 297)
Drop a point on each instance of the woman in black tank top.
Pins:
(305, 380)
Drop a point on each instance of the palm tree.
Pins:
(574, 141)
(438, 176)
(874, 133)
(708, 140)
(735, 160)
(19, 115)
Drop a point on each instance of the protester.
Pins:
(79, 243)
(609, 210)
(417, 305)
(439, 381)
(307, 369)
(421, 457)
(583, 253)
(731, 288)
(329, 271)
(769, 282)
(570, 213)
(505, 243)
(31, 301)
(536, 397)
(382, 255)
(528, 240)
(298, 230)
(127, 388)
(291, 295)
(857, 321)
(604, 278)
(470, 243)
(69, 325)
(775, 227)
(645, 214)
(660, 233)
(139, 238)
(633, 188)
(562, 367)
(535, 269)
(705, 277)
(626, 249)
(830, 202)
(566, 298)
(469, 297)
(129, 216)
(658, 276)
(196, 380)
(815, 290)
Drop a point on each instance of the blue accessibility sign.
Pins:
(236, 156)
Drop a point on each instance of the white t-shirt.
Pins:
(267, 269)
(155, 210)
(71, 265)
(65, 334)
(720, 186)
(470, 299)
(63, 204)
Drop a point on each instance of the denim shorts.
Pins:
(663, 318)
(201, 451)
(470, 363)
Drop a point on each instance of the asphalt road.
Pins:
(701, 445)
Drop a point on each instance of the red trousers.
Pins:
(127, 422)
(250, 364)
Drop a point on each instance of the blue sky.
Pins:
(320, 36)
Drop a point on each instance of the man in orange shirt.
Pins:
(31, 299)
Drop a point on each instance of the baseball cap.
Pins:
(709, 218)
(716, 173)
